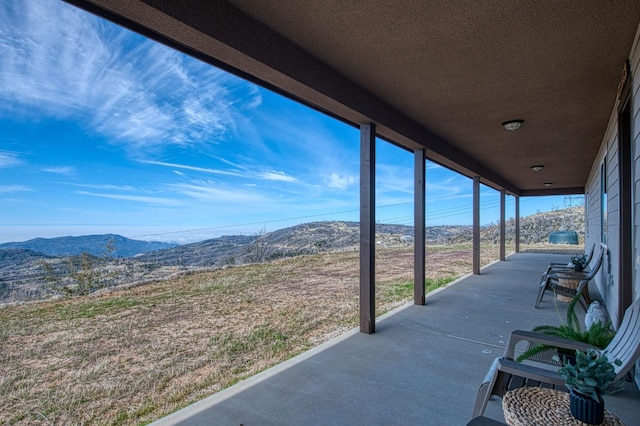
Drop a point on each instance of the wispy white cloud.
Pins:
(450, 196)
(137, 198)
(255, 99)
(341, 182)
(395, 178)
(10, 189)
(62, 62)
(449, 186)
(193, 168)
(277, 176)
(272, 175)
(228, 162)
(9, 159)
(446, 192)
(61, 170)
(105, 187)
(211, 192)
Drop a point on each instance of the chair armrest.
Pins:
(530, 372)
(533, 337)
(574, 275)
(551, 270)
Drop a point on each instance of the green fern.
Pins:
(598, 335)
(572, 319)
(533, 351)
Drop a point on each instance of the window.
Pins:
(603, 200)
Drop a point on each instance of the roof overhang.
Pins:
(438, 75)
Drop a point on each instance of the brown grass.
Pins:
(135, 355)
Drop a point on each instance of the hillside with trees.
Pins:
(29, 275)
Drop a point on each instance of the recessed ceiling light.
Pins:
(512, 125)
(537, 168)
(548, 184)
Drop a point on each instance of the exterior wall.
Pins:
(606, 282)
(609, 268)
(635, 144)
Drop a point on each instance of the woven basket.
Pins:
(568, 283)
(540, 406)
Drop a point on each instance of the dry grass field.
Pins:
(131, 356)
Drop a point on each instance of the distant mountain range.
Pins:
(308, 238)
(110, 245)
(27, 269)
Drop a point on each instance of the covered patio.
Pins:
(527, 98)
(523, 97)
(422, 366)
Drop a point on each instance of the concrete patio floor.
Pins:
(422, 366)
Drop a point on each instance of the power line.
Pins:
(245, 224)
(408, 220)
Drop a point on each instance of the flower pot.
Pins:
(586, 409)
(568, 355)
(578, 267)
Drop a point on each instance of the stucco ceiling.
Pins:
(442, 75)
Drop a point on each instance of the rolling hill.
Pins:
(111, 245)
(41, 267)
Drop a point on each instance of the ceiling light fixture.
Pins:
(548, 184)
(512, 125)
(537, 168)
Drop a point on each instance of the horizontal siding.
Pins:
(610, 267)
(636, 213)
(635, 132)
(636, 166)
(608, 149)
(634, 60)
(612, 198)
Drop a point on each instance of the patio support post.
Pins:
(517, 224)
(502, 225)
(476, 225)
(367, 228)
(419, 228)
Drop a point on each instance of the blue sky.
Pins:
(102, 130)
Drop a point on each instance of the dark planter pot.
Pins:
(568, 355)
(578, 268)
(586, 409)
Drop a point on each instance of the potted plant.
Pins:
(590, 377)
(579, 262)
(598, 334)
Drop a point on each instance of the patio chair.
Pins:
(506, 374)
(484, 421)
(557, 282)
(560, 266)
